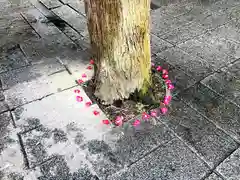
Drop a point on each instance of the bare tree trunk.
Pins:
(120, 39)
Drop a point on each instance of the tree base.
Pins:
(136, 103)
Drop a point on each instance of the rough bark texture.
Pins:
(120, 39)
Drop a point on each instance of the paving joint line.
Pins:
(25, 159)
(76, 10)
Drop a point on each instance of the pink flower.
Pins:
(105, 121)
(84, 75)
(136, 122)
(119, 120)
(170, 86)
(80, 81)
(152, 64)
(79, 98)
(153, 113)
(88, 104)
(89, 67)
(164, 110)
(168, 81)
(76, 91)
(159, 68)
(91, 61)
(167, 100)
(165, 76)
(96, 112)
(145, 116)
(164, 71)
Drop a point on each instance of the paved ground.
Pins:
(45, 134)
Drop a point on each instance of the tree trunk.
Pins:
(120, 40)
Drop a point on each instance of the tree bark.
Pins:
(120, 39)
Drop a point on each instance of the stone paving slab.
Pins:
(183, 33)
(66, 29)
(16, 28)
(12, 59)
(219, 110)
(209, 142)
(225, 84)
(220, 44)
(172, 160)
(214, 176)
(196, 67)
(11, 159)
(38, 88)
(166, 24)
(14, 77)
(229, 168)
(77, 5)
(233, 69)
(76, 20)
(215, 58)
(3, 106)
(51, 4)
(158, 45)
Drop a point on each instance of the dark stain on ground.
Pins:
(59, 135)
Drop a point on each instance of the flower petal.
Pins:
(84, 75)
(136, 122)
(79, 98)
(170, 86)
(165, 76)
(164, 110)
(105, 121)
(80, 81)
(76, 91)
(164, 71)
(159, 68)
(87, 104)
(145, 116)
(96, 112)
(119, 120)
(89, 67)
(168, 81)
(153, 113)
(91, 61)
(167, 100)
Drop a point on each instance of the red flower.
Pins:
(84, 75)
(91, 61)
(77, 91)
(136, 122)
(165, 76)
(89, 67)
(164, 71)
(80, 81)
(79, 98)
(119, 120)
(145, 116)
(96, 112)
(164, 110)
(168, 81)
(167, 100)
(170, 86)
(159, 68)
(105, 121)
(153, 113)
(88, 104)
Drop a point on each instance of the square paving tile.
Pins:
(194, 66)
(46, 68)
(12, 59)
(229, 168)
(209, 54)
(225, 84)
(219, 110)
(38, 88)
(214, 176)
(234, 69)
(158, 45)
(183, 33)
(212, 144)
(172, 160)
(11, 158)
